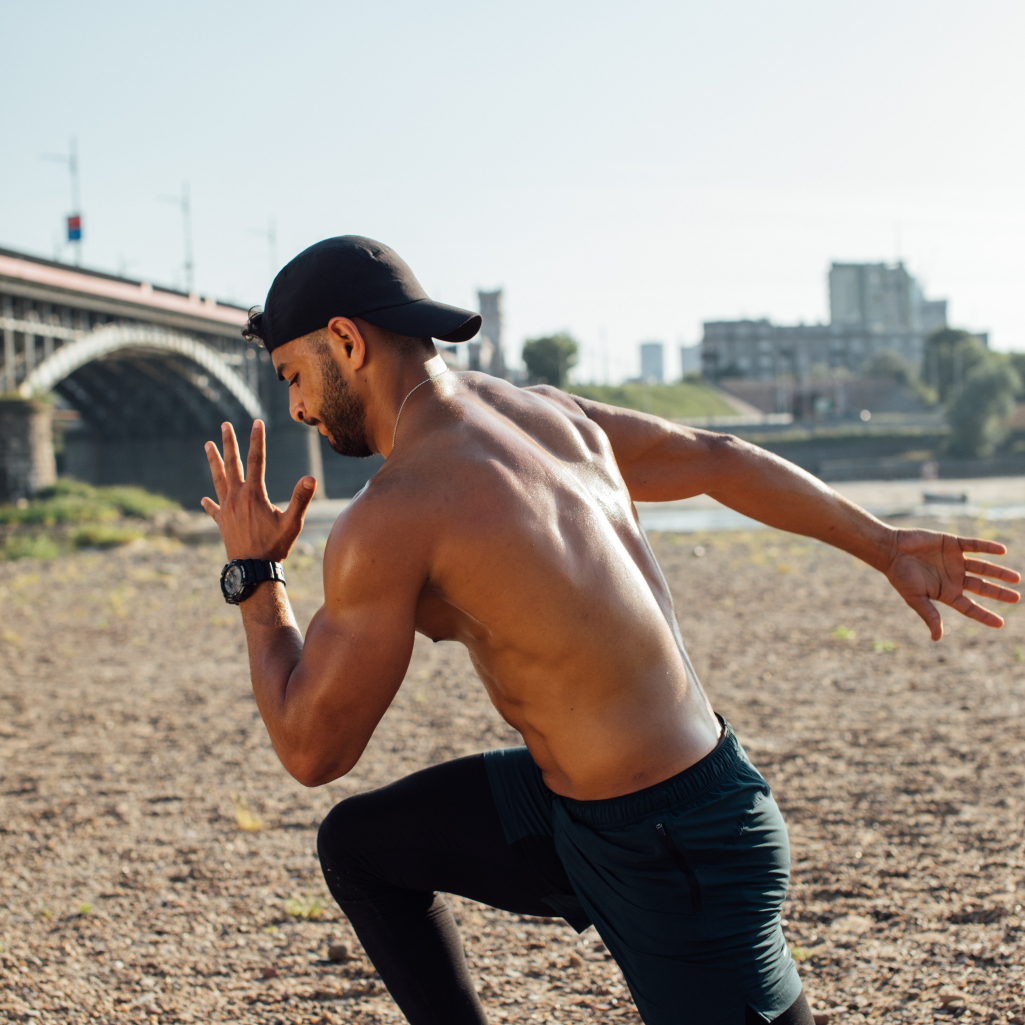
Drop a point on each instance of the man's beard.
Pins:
(343, 413)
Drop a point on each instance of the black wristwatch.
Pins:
(240, 577)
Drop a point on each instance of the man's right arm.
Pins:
(661, 461)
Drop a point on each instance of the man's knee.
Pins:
(342, 844)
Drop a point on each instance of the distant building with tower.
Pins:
(485, 351)
(873, 308)
(652, 362)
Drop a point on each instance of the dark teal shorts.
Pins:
(683, 881)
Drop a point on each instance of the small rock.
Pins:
(338, 952)
(269, 973)
(950, 996)
(820, 1017)
(576, 961)
(699, 551)
(1016, 1020)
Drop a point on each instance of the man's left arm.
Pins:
(321, 698)
(661, 461)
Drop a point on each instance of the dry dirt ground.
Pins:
(133, 755)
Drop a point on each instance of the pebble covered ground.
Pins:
(157, 864)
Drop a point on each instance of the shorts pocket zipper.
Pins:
(676, 854)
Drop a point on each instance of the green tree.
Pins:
(978, 416)
(1018, 362)
(950, 356)
(550, 358)
(892, 365)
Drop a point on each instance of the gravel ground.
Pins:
(158, 864)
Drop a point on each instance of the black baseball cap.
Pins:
(352, 276)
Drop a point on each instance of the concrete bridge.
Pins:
(135, 378)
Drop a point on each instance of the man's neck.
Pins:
(408, 380)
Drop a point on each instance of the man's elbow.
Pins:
(316, 771)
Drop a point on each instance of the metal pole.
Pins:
(70, 160)
(187, 228)
(271, 235)
(75, 197)
(272, 245)
(184, 204)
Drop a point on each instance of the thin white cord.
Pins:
(395, 432)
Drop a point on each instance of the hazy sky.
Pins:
(622, 170)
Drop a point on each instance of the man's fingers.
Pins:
(232, 459)
(963, 604)
(976, 544)
(929, 613)
(991, 569)
(256, 461)
(302, 495)
(216, 470)
(985, 589)
(212, 508)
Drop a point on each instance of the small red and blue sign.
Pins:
(75, 228)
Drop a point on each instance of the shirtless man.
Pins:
(503, 518)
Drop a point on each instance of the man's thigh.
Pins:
(685, 886)
(439, 829)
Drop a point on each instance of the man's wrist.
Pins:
(241, 577)
(881, 548)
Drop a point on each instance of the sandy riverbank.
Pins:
(128, 892)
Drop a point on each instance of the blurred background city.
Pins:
(785, 223)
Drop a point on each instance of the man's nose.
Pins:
(297, 410)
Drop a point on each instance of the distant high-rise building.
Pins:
(873, 308)
(878, 298)
(652, 362)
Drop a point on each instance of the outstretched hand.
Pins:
(927, 566)
(250, 526)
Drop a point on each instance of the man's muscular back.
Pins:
(501, 520)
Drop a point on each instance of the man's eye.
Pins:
(293, 381)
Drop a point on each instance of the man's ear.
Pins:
(344, 336)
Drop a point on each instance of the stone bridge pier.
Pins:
(27, 462)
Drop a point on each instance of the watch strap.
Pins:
(258, 570)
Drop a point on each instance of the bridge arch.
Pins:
(176, 349)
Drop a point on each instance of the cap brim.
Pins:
(425, 318)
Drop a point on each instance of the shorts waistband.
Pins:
(700, 778)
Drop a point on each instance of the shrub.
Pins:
(72, 501)
(103, 536)
(41, 546)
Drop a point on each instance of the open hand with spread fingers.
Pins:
(927, 566)
(250, 526)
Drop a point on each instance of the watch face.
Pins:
(233, 580)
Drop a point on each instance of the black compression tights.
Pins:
(385, 854)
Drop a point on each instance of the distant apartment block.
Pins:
(652, 362)
(873, 308)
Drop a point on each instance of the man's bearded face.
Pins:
(342, 412)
